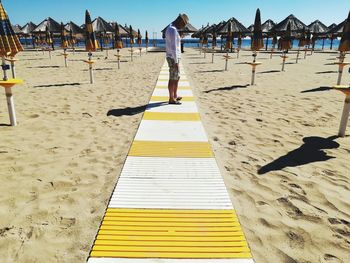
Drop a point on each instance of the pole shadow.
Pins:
(45, 67)
(268, 71)
(130, 111)
(326, 72)
(57, 85)
(311, 151)
(210, 71)
(227, 88)
(317, 89)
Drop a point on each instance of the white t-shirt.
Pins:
(173, 43)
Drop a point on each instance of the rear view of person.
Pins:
(173, 55)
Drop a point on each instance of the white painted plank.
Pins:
(159, 260)
(181, 83)
(185, 107)
(165, 92)
(171, 131)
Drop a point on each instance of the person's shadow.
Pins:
(311, 151)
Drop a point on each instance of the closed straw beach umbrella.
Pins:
(117, 38)
(64, 39)
(48, 38)
(146, 39)
(90, 36)
(131, 35)
(229, 37)
(139, 39)
(286, 39)
(9, 42)
(214, 41)
(257, 40)
(344, 45)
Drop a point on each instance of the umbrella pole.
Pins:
(65, 55)
(140, 50)
(238, 49)
(212, 56)
(345, 117)
(266, 43)
(131, 51)
(226, 59)
(90, 68)
(107, 52)
(118, 57)
(331, 44)
(11, 106)
(273, 47)
(284, 56)
(297, 56)
(341, 67)
(323, 44)
(13, 69)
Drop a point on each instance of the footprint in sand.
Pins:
(34, 116)
(330, 259)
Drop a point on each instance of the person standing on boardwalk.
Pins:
(173, 55)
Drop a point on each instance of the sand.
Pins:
(60, 164)
(276, 145)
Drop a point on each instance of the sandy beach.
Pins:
(275, 143)
(287, 172)
(61, 163)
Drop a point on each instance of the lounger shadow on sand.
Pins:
(311, 151)
(316, 89)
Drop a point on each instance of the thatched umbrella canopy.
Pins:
(267, 26)
(235, 25)
(122, 31)
(48, 38)
(344, 44)
(295, 25)
(100, 25)
(318, 28)
(338, 30)
(28, 28)
(9, 42)
(74, 28)
(251, 28)
(200, 33)
(17, 29)
(90, 37)
(330, 27)
(51, 25)
(188, 29)
(257, 39)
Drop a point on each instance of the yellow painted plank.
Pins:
(110, 254)
(170, 243)
(194, 249)
(170, 116)
(171, 149)
(171, 234)
(170, 228)
(161, 98)
(107, 222)
(136, 237)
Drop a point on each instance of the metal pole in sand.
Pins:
(297, 59)
(118, 58)
(254, 64)
(13, 69)
(226, 57)
(284, 57)
(65, 55)
(341, 64)
(346, 110)
(7, 84)
(131, 51)
(305, 52)
(90, 62)
(212, 57)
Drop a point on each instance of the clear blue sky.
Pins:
(154, 15)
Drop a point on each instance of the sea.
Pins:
(190, 43)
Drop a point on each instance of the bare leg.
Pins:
(176, 84)
(171, 88)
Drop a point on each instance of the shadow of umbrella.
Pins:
(311, 151)
(227, 88)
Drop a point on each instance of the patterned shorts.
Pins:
(174, 73)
